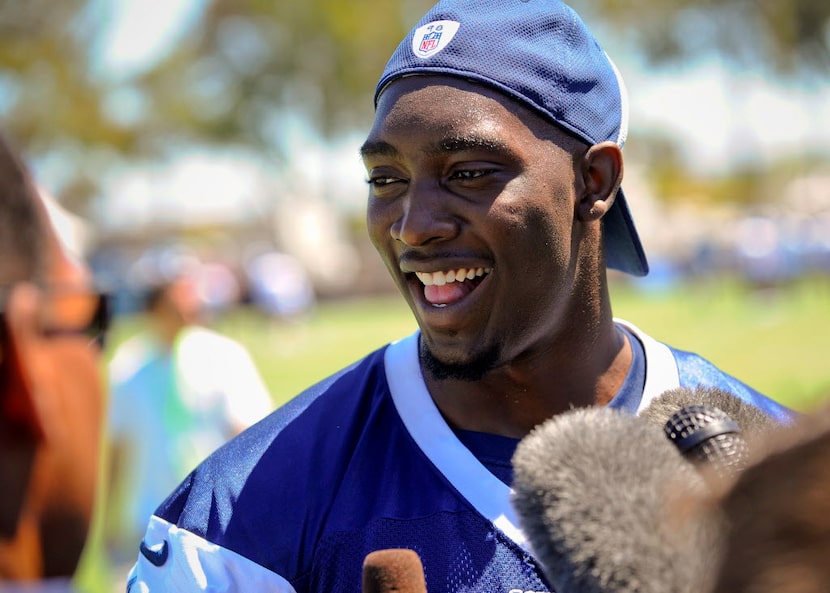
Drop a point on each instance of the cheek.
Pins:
(379, 220)
(546, 248)
(536, 218)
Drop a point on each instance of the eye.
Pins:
(474, 176)
(385, 184)
(465, 174)
(479, 180)
(382, 181)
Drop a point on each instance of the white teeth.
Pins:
(442, 278)
(426, 279)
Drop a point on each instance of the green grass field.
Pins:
(777, 342)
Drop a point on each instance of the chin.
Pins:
(471, 367)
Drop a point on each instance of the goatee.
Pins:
(473, 370)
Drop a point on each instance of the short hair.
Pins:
(21, 223)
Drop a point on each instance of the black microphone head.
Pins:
(707, 436)
(394, 569)
(749, 418)
(609, 504)
(726, 428)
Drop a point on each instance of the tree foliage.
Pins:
(46, 91)
(249, 61)
(248, 58)
(783, 37)
(246, 64)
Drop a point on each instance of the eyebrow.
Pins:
(377, 148)
(445, 146)
(467, 143)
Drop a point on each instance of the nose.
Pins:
(426, 217)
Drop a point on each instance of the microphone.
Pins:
(709, 426)
(608, 504)
(394, 569)
(749, 418)
(709, 438)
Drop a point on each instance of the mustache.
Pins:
(424, 256)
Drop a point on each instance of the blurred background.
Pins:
(222, 135)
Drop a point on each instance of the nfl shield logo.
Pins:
(430, 41)
(431, 38)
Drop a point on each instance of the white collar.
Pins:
(484, 491)
(489, 495)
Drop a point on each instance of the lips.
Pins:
(444, 288)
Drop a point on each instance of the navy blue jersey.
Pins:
(360, 462)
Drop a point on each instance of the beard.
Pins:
(472, 370)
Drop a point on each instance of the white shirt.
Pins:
(172, 408)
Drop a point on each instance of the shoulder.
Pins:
(302, 419)
(200, 338)
(208, 356)
(129, 357)
(695, 370)
(668, 368)
(275, 480)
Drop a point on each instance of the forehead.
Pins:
(450, 106)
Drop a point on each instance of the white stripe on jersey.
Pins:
(661, 367)
(186, 562)
(489, 495)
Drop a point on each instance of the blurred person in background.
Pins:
(52, 322)
(178, 391)
(280, 286)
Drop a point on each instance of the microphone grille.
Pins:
(706, 435)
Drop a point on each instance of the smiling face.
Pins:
(473, 207)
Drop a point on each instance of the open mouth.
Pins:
(448, 287)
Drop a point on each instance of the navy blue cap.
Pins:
(540, 53)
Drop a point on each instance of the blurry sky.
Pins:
(725, 116)
(139, 32)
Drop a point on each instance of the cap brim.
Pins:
(623, 250)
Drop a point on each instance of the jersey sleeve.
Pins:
(174, 559)
(240, 520)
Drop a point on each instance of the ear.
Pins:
(602, 173)
(18, 401)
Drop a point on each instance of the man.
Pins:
(178, 391)
(494, 168)
(52, 321)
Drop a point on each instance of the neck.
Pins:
(166, 332)
(575, 369)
